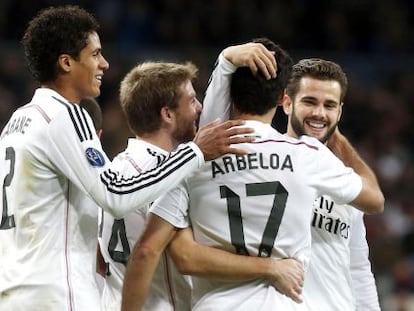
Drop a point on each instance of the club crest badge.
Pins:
(95, 158)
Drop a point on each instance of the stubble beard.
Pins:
(299, 129)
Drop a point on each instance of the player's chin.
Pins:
(95, 91)
(316, 133)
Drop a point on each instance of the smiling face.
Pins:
(186, 114)
(87, 71)
(316, 109)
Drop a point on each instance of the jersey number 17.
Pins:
(273, 222)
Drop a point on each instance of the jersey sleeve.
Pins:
(75, 151)
(173, 207)
(333, 177)
(363, 281)
(216, 102)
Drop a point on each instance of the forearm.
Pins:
(371, 199)
(216, 102)
(195, 259)
(138, 278)
(143, 262)
(286, 275)
(343, 149)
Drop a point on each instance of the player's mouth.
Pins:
(99, 79)
(315, 126)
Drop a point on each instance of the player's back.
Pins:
(260, 204)
(45, 236)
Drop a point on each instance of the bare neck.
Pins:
(265, 118)
(60, 86)
(290, 130)
(161, 139)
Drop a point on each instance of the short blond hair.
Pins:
(150, 86)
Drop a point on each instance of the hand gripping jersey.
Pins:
(259, 204)
(50, 159)
(170, 290)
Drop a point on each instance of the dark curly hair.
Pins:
(255, 94)
(55, 31)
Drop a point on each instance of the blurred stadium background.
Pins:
(372, 40)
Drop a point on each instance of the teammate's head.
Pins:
(314, 98)
(156, 94)
(63, 50)
(53, 32)
(254, 94)
(95, 112)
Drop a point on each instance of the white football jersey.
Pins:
(170, 290)
(259, 204)
(50, 158)
(328, 280)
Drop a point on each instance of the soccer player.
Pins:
(314, 106)
(250, 205)
(51, 158)
(339, 276)
(161, 107)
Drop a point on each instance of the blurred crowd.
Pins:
(372, 40)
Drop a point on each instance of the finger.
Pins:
(269, 60)
(271, 67)
(236, 151)
(267, 66)
(262, 64)
(273, 59)
(251, 63)
(241, 140)
(239, 131)
(296, 297)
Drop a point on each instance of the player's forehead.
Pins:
(321, 89)
(93, 43)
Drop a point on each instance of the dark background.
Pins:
(372, 40)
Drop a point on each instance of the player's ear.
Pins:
(99, 133)
(167, 115)
(340, 111)
(65, 62)
(280, 99)
(287, 104)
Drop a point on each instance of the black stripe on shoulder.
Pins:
(70, 108)
(80, 112)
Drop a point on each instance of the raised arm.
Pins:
(192, 258)
(371, 199)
